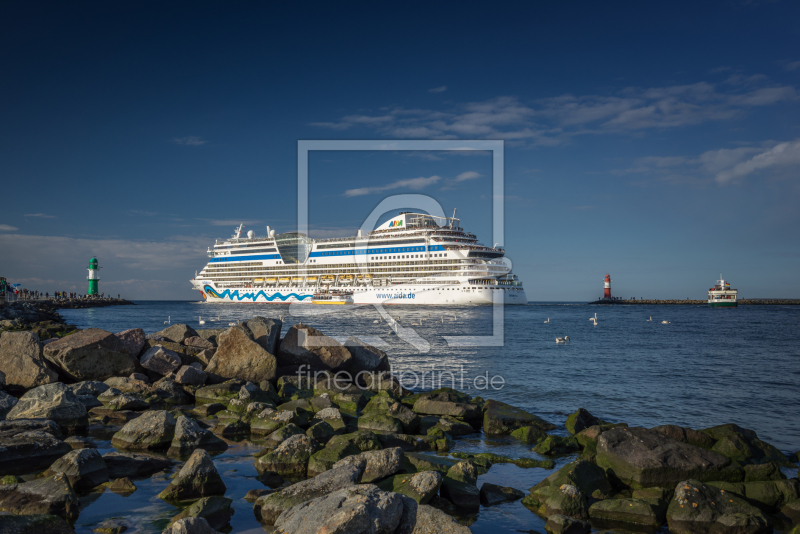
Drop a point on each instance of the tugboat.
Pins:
(722, 296)
(332, 297)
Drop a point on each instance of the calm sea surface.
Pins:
(706, 367)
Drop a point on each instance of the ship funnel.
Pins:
(359, 233)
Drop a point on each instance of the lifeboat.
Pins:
(271, 280)
(284, 280)
(258, 280)
(327, 279)
(297, 279)
(311, 279)
(346, 278)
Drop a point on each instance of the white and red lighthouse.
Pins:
(607, 287)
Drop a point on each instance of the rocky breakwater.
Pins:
(344, 446)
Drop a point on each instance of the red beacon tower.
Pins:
(607, 286)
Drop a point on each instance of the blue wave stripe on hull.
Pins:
(228, 294)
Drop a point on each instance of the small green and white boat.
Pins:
(722, 296)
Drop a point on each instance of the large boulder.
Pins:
(240, 357)
(686, 435)
(22, 362)
(743, 446)
(698, 508)
(189, 436)
(49, 495)
(365, 358)
(580, 420)
(500, 418)
(422, 487)
(459, 485)
(265, 331)
(197, 478)
(190, 525)
(290, 458)
(586, 476)
(190, 375)
(51, 401)
(492, 494)
(151, 431)
(34, 524)
(642, 458)
(363, 508)
(160, 360)
(631, 511)
(91, 354)
(304, 345)
(768, 495)
(27, 449)
(133, 340)
(269, 507)
(565, 500)
(430, 520)
(376, 465)
(123, 464)
(460, 410)
(84, 468)
(177, 333)
(215, 509)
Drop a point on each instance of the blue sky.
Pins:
(660, 143)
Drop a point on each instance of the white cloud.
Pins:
(792, 65)
(41, 215)
(781, 155)
(440, 89)
(7, 228)
(415, 184)
(469, 175)
(191, 140)
(555, 120)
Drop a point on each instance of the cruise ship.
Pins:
(413, 258)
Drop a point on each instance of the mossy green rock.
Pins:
(221, 393)
(564, 500)
(197, 478)
(761, 472)
(770, 496)
(500, 418)
(698, 508)
(34, 524)
(416, 463)
(743, 445)
(321, 431)
(379, 423)
(580, 420)
(422, 487)
(634, 511)
(529, 434)
(557, 445)
(586, 476)
(323, 460)
(216, 510)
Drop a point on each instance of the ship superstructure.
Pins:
(413, 258)
(722, 296)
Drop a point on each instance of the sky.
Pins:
(657, 142)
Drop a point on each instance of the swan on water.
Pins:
(594, 319)
(665, 322)
(169, 320)
(231, 324)
(547, 321)
(200, 319)
(564, 339)
(650, 319)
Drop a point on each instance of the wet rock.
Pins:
(34, 524)
(190, 436)
(365, 357)
(290, 458)
(51, 401)
(698, 508)
(380, 423)
(450, 425)
(642, 458)
(743, 446)
(580, 420)
(152, 431)
(91, 354)
(562, 524)
(422, 487)
(686, 435)
(190, 525)
(231, 428)
(22, 361)
(304, 345)
(459, 485)
(563, 500)
(500, 418)
(170, 392)
(123, 464)
(160, 360)
(430, 520)
(25, 451)
(321, 432)
(630, 511)
(269, 507)
(6, 403)
(529, 434)
(556, 445)
(453, 409)
(414, 463)
(211, 334)
(123, 486)
(197, 478)
(30, 425)
(216, 510)
(191, 376)
(492, 494)
(50, 495)
(761, 472)
(125, 384)
(127, 402)
(132, 340)
(240, 357)
(84, 468)
(586, 476)
(111, 526)
(265, 331)
(351, 509)
(769, 495)
(80, 442)
(177, 333)
(375, 465)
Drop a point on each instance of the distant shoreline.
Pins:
(742, 302)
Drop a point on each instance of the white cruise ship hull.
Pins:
(400, 294)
